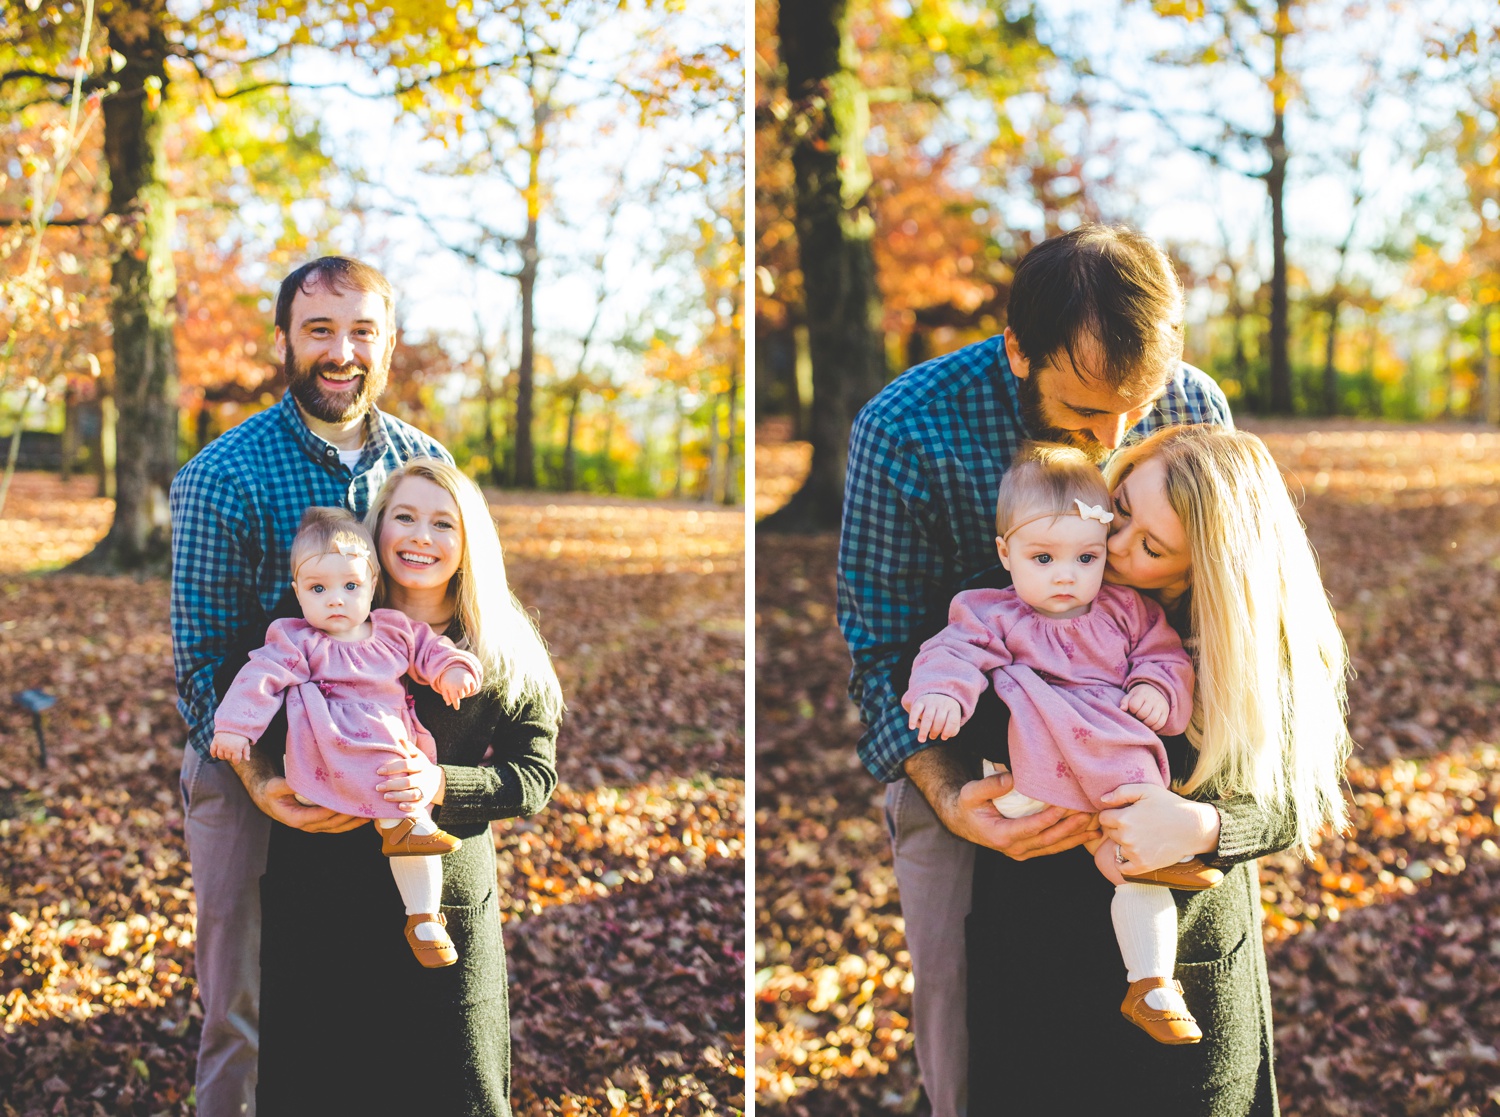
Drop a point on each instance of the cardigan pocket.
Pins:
(1223, 994)
(479, 975)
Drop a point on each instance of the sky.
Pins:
(1154, 110)
(440, 292)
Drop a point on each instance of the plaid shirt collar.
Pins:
(376, 440)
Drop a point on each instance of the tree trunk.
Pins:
(731, 497)
(677, 481)
(1330, 368)
(70, 432)
(1281, 368)
(1487, 330)
(569, 452)
(834, 232)
(525, 455)
(711, 475)
(143, 290)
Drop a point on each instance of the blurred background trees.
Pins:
(551, 185)
(1325, 174)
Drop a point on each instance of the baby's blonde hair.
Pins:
(333, 531)
(1046, 477)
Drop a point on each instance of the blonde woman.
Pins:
(337, 1001)
(1204, 524)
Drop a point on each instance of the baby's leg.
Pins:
(1145, 919)
(1013, 804)
(420, 882)
(421, 821)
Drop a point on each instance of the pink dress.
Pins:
(346, 707)
(1064, 680)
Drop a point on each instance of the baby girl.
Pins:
(1092, 673)
(339, 669)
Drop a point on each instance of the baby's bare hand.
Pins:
(935, 716)
(1148, 704)
(231, 747)
(456, 684)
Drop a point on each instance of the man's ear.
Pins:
(1002, 548)
(1018, 363)
(279, 345)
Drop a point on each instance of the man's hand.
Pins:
(966, 807)
(1148, 704)
(456, 684)
(275, 797)
(230, 746)
(934, 715)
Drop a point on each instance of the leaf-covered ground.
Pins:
(1384, 950)
(624, 899)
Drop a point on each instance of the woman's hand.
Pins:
(411, 781)
(1155, 827)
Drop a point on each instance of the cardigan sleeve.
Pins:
(518, 779)
(1249, 829)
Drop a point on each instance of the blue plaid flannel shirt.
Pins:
(235, 509)
(925, 460)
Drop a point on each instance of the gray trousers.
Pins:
(227, 837)
(935, 874)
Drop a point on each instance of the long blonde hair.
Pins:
(1269, 703)
(499, 631)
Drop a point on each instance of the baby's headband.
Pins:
(1085, 511)
(356, 548)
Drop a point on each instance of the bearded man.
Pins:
(235, 509)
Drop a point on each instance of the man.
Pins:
(235, 509)
(1092, 356)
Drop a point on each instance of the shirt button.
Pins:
(330, 453)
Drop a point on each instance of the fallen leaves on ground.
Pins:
(623, 900)
(1383, 949)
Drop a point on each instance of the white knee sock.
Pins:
(422, 823)
(1145, 918)
(420, 882)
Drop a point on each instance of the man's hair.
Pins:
(335, 273)
(1102, 283)
(1046, 477)
(332, 531)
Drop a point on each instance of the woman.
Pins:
(1204, 524)
(350, 1022)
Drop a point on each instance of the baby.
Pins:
(340, 669)
(1092, 673)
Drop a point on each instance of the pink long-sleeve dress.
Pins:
(346, 708)
(1063, 680)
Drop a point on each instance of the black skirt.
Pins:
(350, 1021)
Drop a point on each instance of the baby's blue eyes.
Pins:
(351, 586)
(1046, 559)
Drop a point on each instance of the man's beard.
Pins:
(302, 382)
(1034, 417)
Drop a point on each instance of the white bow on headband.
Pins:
(1093, 512)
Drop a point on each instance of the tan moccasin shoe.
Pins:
(399, 841)
(1188, 876)
(434, 954)
(1162, 1025)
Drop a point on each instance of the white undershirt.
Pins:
(351, 457)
